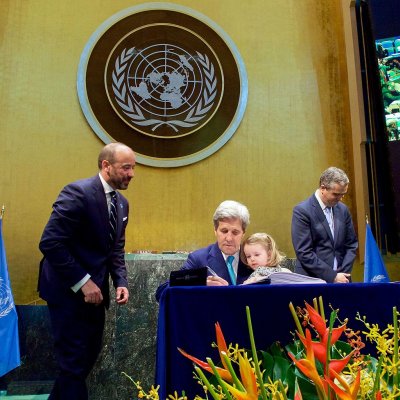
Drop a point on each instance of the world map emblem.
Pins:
(163, 86)
(6, 299)
(165, 80)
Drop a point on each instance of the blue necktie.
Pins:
(229, 263)
(113, 216)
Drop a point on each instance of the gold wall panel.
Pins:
(296, 124)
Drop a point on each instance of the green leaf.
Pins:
(341, 346)
(296, 348)
(276, 349)
(281, 367)
(267, 364)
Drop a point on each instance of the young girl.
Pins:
(260, 252)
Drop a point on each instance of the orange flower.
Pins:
(307, 365)
(248, 376)
(249, 382)
(224, 373)
(221, 344)
(348, 392)
(222, 347)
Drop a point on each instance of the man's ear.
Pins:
(105, 165)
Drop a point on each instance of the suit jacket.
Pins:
(212, 257)
(313, 242)
(75, 242)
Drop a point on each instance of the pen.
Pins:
(213, 273)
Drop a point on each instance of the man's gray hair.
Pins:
(332, 176)
(231, 209)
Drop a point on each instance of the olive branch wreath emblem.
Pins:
(5, 300)
(132, 110)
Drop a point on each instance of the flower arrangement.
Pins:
(316, 365)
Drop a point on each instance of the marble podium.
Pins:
(130, 333)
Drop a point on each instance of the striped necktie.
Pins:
(229, 263)
(329, 217)
(113, 216)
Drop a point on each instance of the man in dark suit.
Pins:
(322, 231)
(83, 244)
(222, 258)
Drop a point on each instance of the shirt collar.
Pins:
(236, 256)
(107, 188)
(321, 203)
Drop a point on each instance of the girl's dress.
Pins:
(264, 272)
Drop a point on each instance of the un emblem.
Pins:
(166, 81)
(6, 299)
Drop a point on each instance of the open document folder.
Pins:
(283, 278)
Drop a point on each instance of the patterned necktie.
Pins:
(229, 263)
(113, 216)
(329, 217)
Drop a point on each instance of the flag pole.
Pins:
(2, 211)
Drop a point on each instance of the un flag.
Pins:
(9, 349)
(374, 268)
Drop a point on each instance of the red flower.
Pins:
(320, 348)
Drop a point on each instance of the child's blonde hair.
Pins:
(265, 240)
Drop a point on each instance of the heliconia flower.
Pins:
(320, 348)
(316, 319)
(248, 391)
(378, 395)
(248, 380)
(350, 391)
(320, 325)
(320, 354)
(222, 347)
(248, 377)
(239, 395)
(337, 366)
(297, 392)
(224, 374)
(307, 365)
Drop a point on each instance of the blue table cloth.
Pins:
(187, 317)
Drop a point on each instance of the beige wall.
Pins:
(296, 124)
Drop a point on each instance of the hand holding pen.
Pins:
(214, 279)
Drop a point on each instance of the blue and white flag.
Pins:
(9, 347)
(374, 268)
